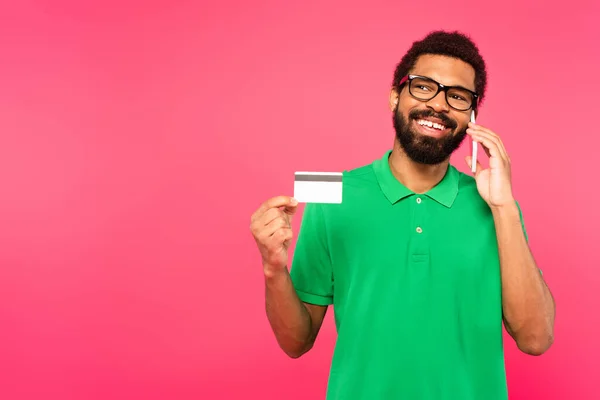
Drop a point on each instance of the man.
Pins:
(421, 262)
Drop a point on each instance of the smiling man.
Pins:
(422, 263)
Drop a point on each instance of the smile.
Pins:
(431, 128)
(431, 124)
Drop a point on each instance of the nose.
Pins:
(439, 103)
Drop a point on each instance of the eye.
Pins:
(458, 97)
(423, 86)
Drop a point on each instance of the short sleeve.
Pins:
(524, 229)
(522, 221)
(311, 270)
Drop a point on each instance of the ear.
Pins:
(394, 99)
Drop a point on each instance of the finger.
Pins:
(289, 203)
(282, 236)
(276, 225)
(274, 214)
(492, 136)
(489, 146)
(478, 167)
(272, 228)
(473, 137)
(271, 215)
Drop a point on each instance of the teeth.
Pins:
(431, 124)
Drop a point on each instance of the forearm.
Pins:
(527, 304)
(289, 318)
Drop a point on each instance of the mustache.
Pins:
(419, 114)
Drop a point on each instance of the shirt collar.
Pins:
(444, 192)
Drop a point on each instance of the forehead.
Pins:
(446, 70)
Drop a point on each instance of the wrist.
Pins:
(274, 272)
(508, 210)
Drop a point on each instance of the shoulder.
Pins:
(359, 173)
(468, 200)
(359, 180)
(465, 182)
(357, 183)
(467, 187)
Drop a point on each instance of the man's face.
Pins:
(422, 143)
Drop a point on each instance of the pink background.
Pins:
(137, 137)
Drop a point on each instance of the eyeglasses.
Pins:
(424, 88)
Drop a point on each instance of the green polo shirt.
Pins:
(414, 280)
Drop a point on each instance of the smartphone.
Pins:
(474, 147)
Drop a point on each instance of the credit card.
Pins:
(318, 187)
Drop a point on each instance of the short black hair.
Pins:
(452, 44)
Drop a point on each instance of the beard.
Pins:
(426, 149)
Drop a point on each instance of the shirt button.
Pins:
(419, 230)
(418, 200)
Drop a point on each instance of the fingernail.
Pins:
(293, 201)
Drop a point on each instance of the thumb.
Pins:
(291, 207)
(477, 168)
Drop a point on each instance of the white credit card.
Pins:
(318, 187)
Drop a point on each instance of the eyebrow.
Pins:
(456, 86)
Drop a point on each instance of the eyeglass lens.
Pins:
(425, 89)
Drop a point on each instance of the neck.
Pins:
(417, 177)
